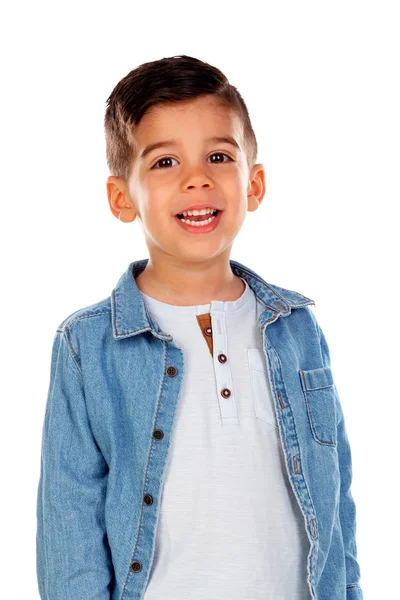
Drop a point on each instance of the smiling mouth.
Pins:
(194, 218)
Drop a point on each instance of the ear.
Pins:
(257, 188)
(119, 200)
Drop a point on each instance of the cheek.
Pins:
(236, 214)
(233, 186)
(157, 218)
(156, 201)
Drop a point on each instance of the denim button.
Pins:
(158, 434)
(136, 566)
(148, 499)
(171, 371)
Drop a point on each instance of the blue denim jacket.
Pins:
(115, 382)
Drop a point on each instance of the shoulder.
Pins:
(292, 297)
(97, 311)
(269, 291)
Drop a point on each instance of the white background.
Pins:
(321, 82)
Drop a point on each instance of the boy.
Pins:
(194, 444)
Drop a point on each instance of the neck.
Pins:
(185, 283)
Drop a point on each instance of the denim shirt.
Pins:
(115, 382)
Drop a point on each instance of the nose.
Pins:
(197, 176)
(206, 185)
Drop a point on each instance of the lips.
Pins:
(202, 229)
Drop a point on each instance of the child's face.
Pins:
(188, 174)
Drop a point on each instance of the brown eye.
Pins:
(162, 160)
(221, 154)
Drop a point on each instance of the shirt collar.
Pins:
(180, 312)
(131, 317)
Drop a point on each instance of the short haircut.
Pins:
(171, 79)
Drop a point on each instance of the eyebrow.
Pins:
(227, 139)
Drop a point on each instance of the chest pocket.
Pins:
(261, 392)
(319, 394)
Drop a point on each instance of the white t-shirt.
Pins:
(229, 524)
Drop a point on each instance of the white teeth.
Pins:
(203, 211)
(198, 223)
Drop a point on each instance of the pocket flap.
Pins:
(315, 379)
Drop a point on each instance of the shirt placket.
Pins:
(213, 328)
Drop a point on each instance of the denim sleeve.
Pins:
(347, 507)
(73, 558)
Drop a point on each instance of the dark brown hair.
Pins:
(171, 79)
